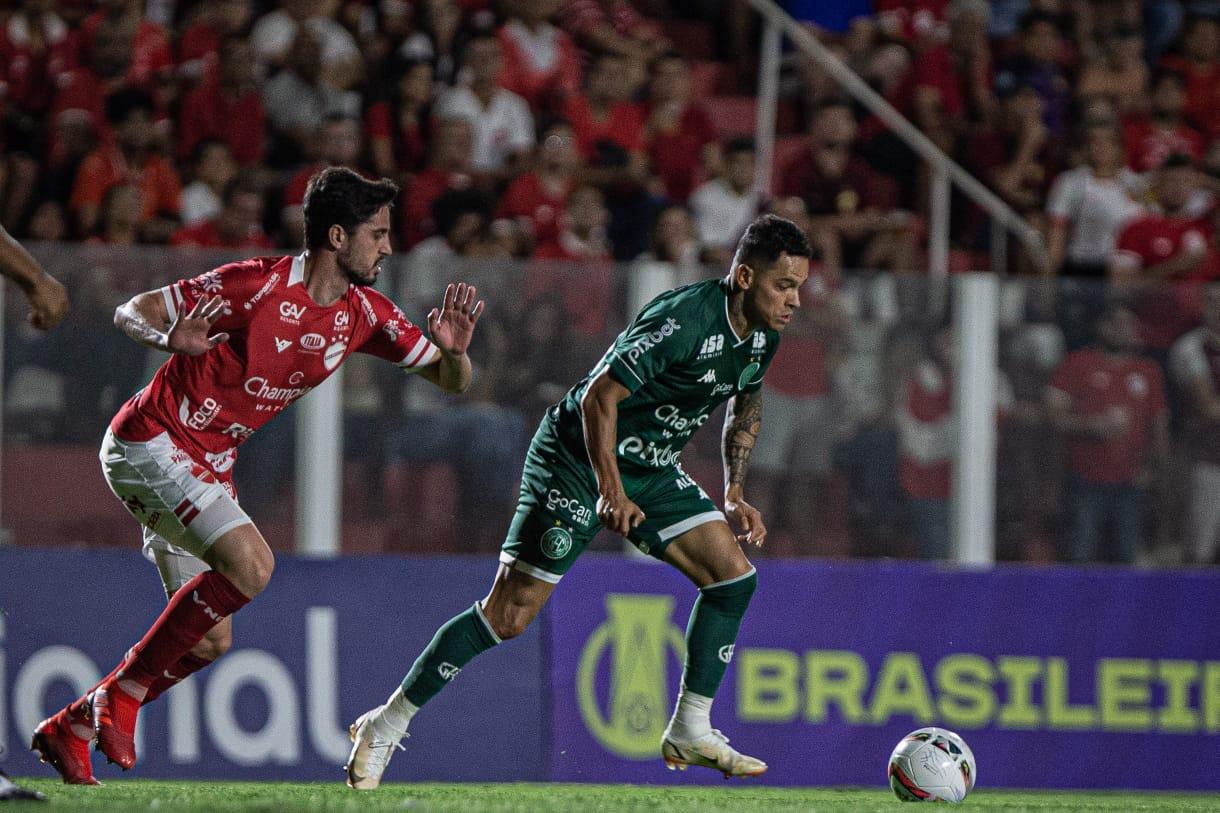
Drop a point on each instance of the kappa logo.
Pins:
(708, 378)
(282, 344)
(448, 671)
(712, 346)
(291, 313)
(725, 653)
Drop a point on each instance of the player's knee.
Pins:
(251, 573)
(511, 621)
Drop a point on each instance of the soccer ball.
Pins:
(932, 765)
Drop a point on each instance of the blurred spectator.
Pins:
(239, 224)
(792, 458)
(533, 203)
(674, 258)
(613, 27)
(86, 88)
(275, 33)
(448, 168)
(609, 127)
(1120, 73)
(1160, 247)
(582, 238)
(36, 52)
(120, 215)
(1016, 157)
(1036, 64)
(212, 168)
(151, 62)
(48, 222)
(1110, 404)
(298, 97)
(855, 219)
(437, 39)
(227, 105)
(501, 123)
(1195, 365)
(398, 126)
(1163, 132)
(1198, 60)
(337, 142)
(199, 45)
(541, 63)
(725, 205)
(461, 218)
(679, 132)
(129, 159)
(1088, 206)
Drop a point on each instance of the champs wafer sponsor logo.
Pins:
(645, 343)
(267, 286)
(260, 388)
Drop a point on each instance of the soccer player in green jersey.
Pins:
(607, 456)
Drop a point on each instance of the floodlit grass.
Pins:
(283, 797)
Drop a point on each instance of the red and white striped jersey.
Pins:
(282, 344)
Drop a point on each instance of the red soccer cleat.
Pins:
(62, 748)
(114, 720)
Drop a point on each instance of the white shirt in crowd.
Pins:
(1095, 210)
(274, 32)
(198, 203)
(721, 215)
(505, 127)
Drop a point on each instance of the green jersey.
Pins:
(681, 359)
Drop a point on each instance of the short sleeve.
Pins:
(1062, 202)
(236, 282)
(1129, 250)
(661, 336)
(394, 338)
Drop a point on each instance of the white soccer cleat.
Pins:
(370, 754)
(709, 751)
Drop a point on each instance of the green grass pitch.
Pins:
(186, 797)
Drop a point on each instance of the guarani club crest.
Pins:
(632, 647)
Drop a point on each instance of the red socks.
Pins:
(187, 666)
(193, 610)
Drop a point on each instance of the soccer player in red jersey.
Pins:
(245, 341)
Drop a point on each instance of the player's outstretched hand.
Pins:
(453, 325)
(48, 303)
(189, 332)
(618, 513)
(747, 518)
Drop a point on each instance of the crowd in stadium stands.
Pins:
(594, 131)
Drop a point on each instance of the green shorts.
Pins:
(557, 510)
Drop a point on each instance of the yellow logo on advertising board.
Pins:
(639, 635)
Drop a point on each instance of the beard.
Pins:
(361, 278)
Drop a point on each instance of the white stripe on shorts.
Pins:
(679, 528)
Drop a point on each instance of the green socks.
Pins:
(454, 645)
(712, 631)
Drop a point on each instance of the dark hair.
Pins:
(205, 144)
(1032, 18)
(1161, 73)
(739, 144)
(125, 101)
(767, 238)
(337, 196)
(1178, 160)
(449, 208)
(240, 185)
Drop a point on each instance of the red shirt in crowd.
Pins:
(151, 57)
(858, 189)
(624, 127)
(29, 78)
(106, 167)
(1170, 310)
(527, 199)
(207, 235)
(410, 142)
(208, 112)
(282, 345)
(677, 155)
(1149, 145)
(416, 217)
(1202, 92)
(542, 88)
(1096, 382)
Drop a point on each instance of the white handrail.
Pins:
(987, 200)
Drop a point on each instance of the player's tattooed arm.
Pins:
(145, 319)
(742, 422)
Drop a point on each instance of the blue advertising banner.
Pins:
(1056, 677)
(325, 642)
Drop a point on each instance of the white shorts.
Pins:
(180, 503)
